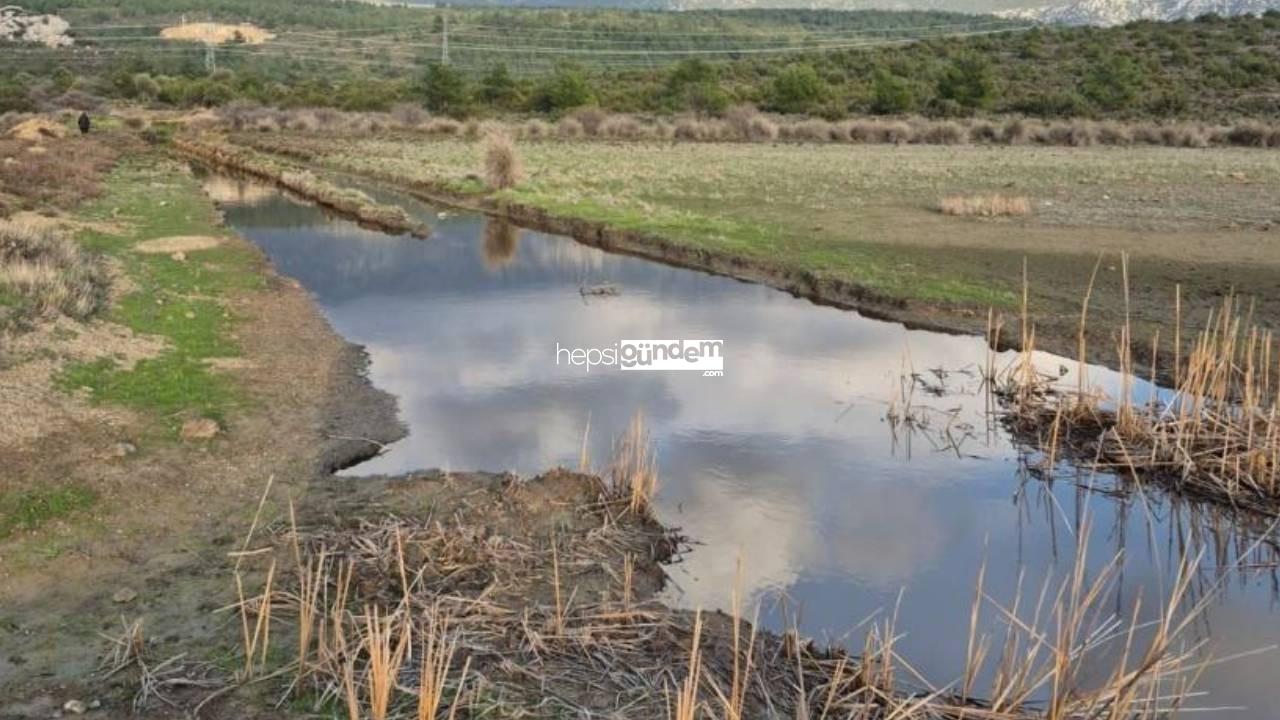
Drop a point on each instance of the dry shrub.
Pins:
(1186, 136)
(812, 131)
(1014, 132)
(1273, 138)
(591, 118)
(1075, 134)
(50, 272)
(408, 115)
(984, 132)
(1110, 133)
(537, 130)
(569, 128)
(689, 129)
(940, 133)
(1249, 134)
(994, 205)
(302, 120)
(621, 127)
(502, 166)
(68, 172)
(442, 126)
(748, 124)
(762, 129)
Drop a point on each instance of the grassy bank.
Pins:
(869, 218)
(178, 295)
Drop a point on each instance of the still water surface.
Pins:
(786, 462)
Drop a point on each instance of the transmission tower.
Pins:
(444, 45)
(210, 57)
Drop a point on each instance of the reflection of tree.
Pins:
(501, 240)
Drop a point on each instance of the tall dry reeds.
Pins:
(1214, 435)
(634, 472)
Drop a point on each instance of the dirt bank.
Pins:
(120, 518)
(350, 203)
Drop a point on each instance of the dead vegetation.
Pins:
(1214, 434)
(994, 205)
(52, 172)
(348, 201)
(502, 166)
(744, 123)
(49, 273)
(494, 596)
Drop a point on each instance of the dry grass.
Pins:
(443, 587)
(503, 168)
(52, 173)
(50, 273)
(994, 205)
(744, 123)
(634, 472)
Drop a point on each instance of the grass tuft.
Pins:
(985, 206)
(503, 168)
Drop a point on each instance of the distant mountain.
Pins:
(1119, 12)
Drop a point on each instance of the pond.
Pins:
(788, 462)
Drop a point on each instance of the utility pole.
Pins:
(444, 45)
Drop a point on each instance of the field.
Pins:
(1203, 219)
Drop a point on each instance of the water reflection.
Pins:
(501, 240)
(787, 461)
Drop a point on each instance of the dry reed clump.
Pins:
(1215, 435)
(590, 118)
(994, 205)
(503, 597)
(50, 273)
(569, 129)
(409, 116)
(748, 124)
(537, 130)
(623, 127)
(502, 166)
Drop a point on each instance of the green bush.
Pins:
(798, 89)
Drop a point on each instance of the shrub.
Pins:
(1113, 134)
(1249, 134)
(985, 205)
(621, 127)
(537, 129)
(940, 133)
(798, 89)
(1014, 132)
(591, 118)
(502, 166)
(983, 132)
(51, 273)
(408, 115)
(569, 128)
(968, 82)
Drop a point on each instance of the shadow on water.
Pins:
(792, 461)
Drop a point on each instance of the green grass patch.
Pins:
(177, 299)
(29, 509)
